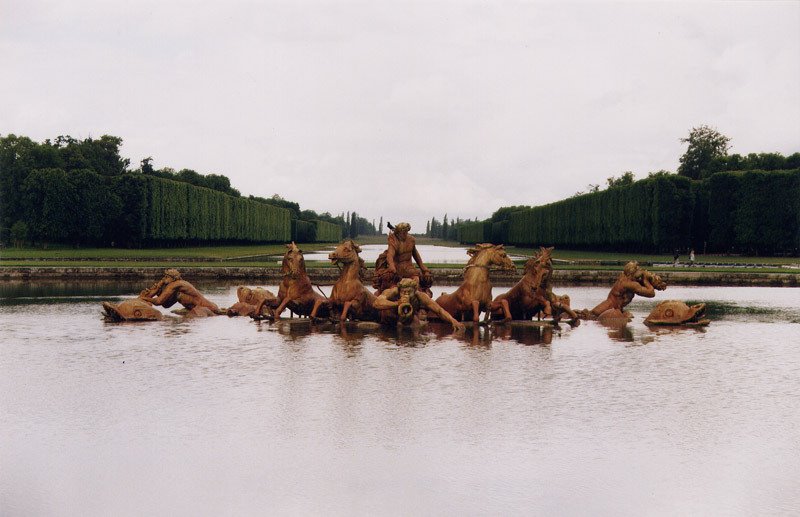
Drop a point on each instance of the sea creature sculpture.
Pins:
(675, 312)
(349, 295)
(475, 293)
(131, 310)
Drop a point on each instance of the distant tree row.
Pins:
(717, 202)
(81, 192)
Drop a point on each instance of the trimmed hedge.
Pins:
(303, 231)
(83, 207)
(749, 212)
(179, 211)
(328, 232)
(475, 232)
(754, 211)
(651, 214)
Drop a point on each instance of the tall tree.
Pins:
(705, 145)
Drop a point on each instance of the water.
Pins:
(227, 416)
(430, 254)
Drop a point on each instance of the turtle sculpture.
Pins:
(131, 310)
(675, 312)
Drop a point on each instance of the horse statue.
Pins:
(533, 294)
(526, 299)
(348, 292)
(475, 293)
(296, 291)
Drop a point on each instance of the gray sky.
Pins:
(457, 107)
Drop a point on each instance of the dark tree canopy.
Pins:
(705, 145)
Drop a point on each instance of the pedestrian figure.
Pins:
(675, 258)
(691, 257)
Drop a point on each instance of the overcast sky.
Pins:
(404, 110)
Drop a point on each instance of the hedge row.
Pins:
(83, 207)
(327, 232)
(754, 211)
(652, 214)
(475, 232)
(751, 212)
(179, 211)
(303, 231)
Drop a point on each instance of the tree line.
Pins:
(82, 192)
(716, 203)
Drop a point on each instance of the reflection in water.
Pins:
(231, 416)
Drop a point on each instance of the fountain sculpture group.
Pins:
(403, 295)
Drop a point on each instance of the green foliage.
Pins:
(303, 231)
(19, 233)
(723, 190)
(650, 214)
(706, 144)
(626, 178)
(327, 231)
(475, 232)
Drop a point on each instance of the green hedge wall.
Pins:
(754, 211)
(328, 232)
(475, 232)
(303, 231)
(651, 214)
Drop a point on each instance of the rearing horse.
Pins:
(527, 298)
(348, 292)
(296, 291)
(475, 293)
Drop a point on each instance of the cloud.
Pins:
(404, 110)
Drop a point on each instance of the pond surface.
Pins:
(430, 254)
(224, 416)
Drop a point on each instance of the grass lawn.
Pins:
(253, 256)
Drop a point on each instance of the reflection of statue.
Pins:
(348, 292)
(475, 293)
(131, 310)
(674, 312)
(171, 289)
(296, 292)
(533, 294)
(401, 304)
(395, 263)
(250, 300)
(632, 281)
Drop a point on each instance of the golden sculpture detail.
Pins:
(533, 295)
(394, 264)
(349, 295)
(475, 293)
(172, 289)
(674, 312)
(251, 301)
(632, 281)
(405, 303)
(296, 291)
(131, 310)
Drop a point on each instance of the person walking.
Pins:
(691, 257)
(675, 258)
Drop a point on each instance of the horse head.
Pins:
(293, 261)
(346, 253)
(488, 255)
